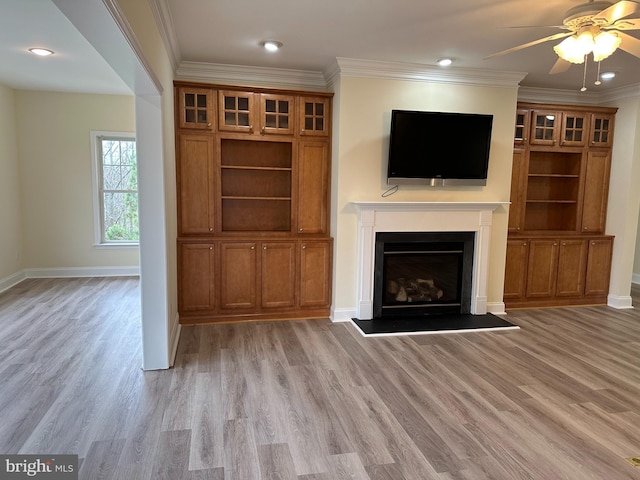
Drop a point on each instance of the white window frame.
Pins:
(96, 173)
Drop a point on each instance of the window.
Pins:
(115, 188)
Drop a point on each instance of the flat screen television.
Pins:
(438, 149)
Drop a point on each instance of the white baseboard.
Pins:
(70, 272)
(342, 314)
(16, 278)
(619, 302)
(497, 308)
(174, 339)
(12, 280)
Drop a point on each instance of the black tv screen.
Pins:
(436, 148)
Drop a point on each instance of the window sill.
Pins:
(116, 245)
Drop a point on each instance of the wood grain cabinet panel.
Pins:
(598, 266)
(313, 187)
(238, 275)
(594, 205)
(571, 267)
(542, 268)
(195, 184)
(315, 273)
(515, 275)
(197, 277)
(278, 274)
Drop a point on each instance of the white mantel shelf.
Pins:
(376, 217)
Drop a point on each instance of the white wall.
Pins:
(53, 137)
(11, 253)
(624, 199)
(361, 136)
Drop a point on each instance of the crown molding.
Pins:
(350, 67)
(164, 21)
(254, 76)
(574, 97)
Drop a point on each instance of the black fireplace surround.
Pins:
(422, 273)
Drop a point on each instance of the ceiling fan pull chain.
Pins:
(584, 76)
(598, 82)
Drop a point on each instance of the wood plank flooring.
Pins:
(312, 400)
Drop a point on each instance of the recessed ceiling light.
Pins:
(272, 45)
(445, 62)
(607, 75)
(42, 52)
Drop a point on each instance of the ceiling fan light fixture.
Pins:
(605, 43)
(571, 49)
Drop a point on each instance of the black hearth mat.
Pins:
(446, 323)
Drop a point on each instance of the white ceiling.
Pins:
(314, 35)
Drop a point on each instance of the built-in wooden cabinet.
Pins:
(253, 197)
(559, 190)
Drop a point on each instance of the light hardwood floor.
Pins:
(311, 400)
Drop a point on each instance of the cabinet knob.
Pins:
(210, 247)
(593, 243)
(264, 247)
(301, 229)
(209, 124)
(253, 247)
(524, 244)
(304, 247)
(555, 244)
(564, 244)
(211, 229)
(585, 228)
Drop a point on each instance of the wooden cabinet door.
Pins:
(545, 127)
(315, 273)
(278, 274)
(596, 191)
(277, 114)
(598, 266)
(521, 133)
(518, 190)
(515, 275)
(195, 184)
(238, 275)
(314, 116)
(575, 129)
(196, 107)
(572, 258)
(601, 131)
(236, 111)
(196, 270)
(542, 267)
(313, 187)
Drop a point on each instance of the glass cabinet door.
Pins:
(196, 108)
(314, 116)
(544, 127)
(236, 112)
(276, 114)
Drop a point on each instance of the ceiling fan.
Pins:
(595, 27)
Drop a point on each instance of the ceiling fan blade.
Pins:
(630, 44)
(615, 12)
(560, 66)
(626, 24)
(530, 44)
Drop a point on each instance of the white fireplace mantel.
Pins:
(376, 217)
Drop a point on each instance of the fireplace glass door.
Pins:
(422, 274)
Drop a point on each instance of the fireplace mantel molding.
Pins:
(376, 217)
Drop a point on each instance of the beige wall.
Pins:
(361, 136)
(624, 197)
(11, 254)
(53, 136)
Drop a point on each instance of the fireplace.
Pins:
(420, 217)
(422, 273)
